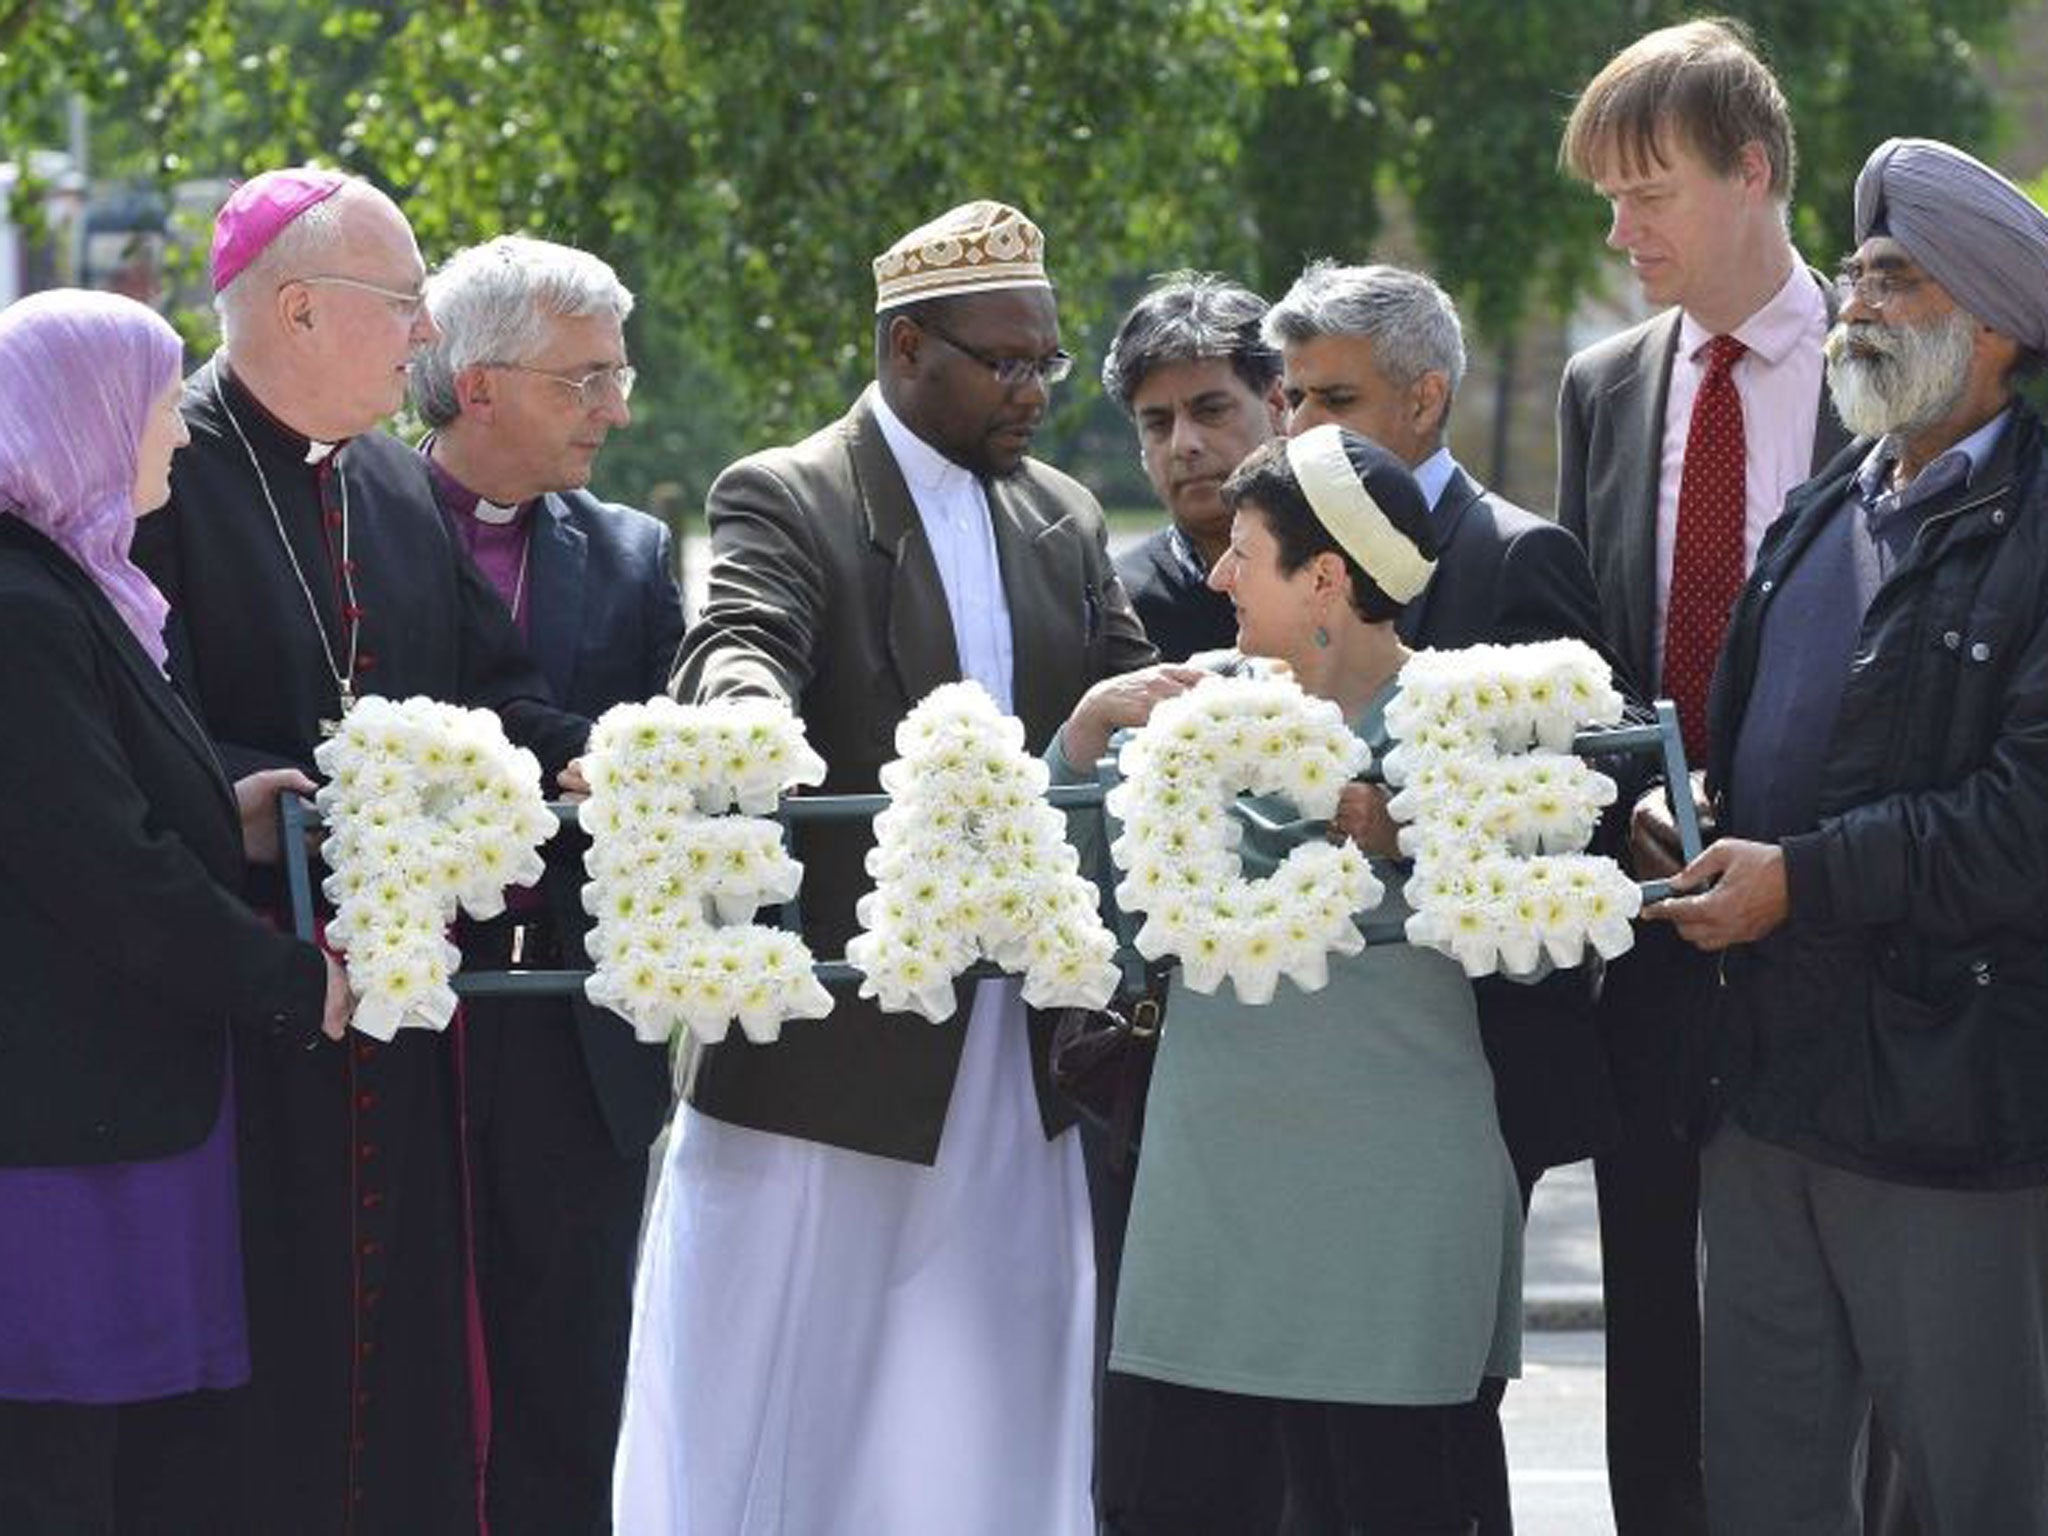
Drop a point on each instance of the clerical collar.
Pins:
(461, 500)
(259, 417)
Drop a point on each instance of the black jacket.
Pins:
(124, 947)
(1505, 576)
(1181, 615)
(1898, 1024)
(604, 622)
(244, 645)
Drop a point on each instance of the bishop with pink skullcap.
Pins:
(307, 564)
(257, 211)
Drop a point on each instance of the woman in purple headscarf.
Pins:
(124, 952)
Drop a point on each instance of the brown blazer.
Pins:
(823, 591)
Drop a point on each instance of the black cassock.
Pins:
(360, 1413)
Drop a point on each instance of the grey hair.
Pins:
(294, 252)
(1410, 321)
(492, 303)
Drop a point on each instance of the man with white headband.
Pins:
(1379, 350)
(1874, 1192)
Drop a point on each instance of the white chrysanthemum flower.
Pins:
(428, 809)
(971, 864)
(1178, 846)
(1494, 827)
(674, 883)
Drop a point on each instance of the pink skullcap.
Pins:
(257, 211)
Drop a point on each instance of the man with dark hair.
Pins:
(1677, 441)
(525, 381)
(867, 1301)
(1875, 1186)
(1189, 366)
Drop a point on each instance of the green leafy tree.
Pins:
(741, 162)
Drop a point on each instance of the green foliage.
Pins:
(742, 162)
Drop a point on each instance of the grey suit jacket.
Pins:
(823, 591)
(605, 620)
(1610, 442)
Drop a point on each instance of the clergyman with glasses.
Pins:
(525, 379)
(306, 565)
(867, 1297)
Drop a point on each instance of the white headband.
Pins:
(1357, 522)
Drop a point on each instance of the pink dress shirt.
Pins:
(1780, 384)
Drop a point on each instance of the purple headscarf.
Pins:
(78, 373)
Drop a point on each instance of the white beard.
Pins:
(1899, 379)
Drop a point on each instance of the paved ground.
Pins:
(1554, 1415)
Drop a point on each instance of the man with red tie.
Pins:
(1677, 442)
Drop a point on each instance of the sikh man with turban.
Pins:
(306, 564)
(1875, 1187)
(866, 1302)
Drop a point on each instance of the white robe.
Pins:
(827, 1343)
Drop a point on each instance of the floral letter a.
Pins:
(970, 862)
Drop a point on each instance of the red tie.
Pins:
(1706, 556)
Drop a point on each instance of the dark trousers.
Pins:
(1649, 1194)
(557, 1213)
(1193, 1462)
(162, 1468)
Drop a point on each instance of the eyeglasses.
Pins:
(406, 305)
(1875, 289)
(1010, 372)
(593, 389)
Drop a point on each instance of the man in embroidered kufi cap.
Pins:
(1875, 1196)
(306, 565)
(866, 1299)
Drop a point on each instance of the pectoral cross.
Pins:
(347, 699)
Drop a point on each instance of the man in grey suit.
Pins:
(868, 1299)
(1380, 350)
(1677, 441)
(524, 383)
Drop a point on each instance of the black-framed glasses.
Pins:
(1010, 372)
(594, 389)
(1876, 289)
(406, 303)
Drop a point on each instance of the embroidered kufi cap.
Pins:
(975, 248)
(259, 209)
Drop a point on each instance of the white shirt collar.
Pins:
(924, 467)
(1433, 474)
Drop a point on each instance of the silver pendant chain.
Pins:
(344, 679)
(519, 586)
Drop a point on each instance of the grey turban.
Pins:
(1977, 234)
